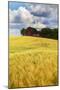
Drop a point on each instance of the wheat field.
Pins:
(32, 61)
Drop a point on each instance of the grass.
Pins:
(32, 61)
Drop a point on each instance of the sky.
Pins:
(23, 15)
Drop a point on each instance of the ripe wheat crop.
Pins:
(32, 61)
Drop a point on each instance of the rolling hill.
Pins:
(32, 61)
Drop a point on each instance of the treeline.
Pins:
(44, 32)
(49, 33)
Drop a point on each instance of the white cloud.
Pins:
(48, 12)
(38, 25)
(25, 15)
(11, 16)
(36, 15)
(38, 8)
(22, 15)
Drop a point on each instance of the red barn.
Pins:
(29, 31)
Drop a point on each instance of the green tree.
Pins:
(55, 33)
(23, 31)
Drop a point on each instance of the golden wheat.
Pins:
(32, 61)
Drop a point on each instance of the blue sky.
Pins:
(32, 14)
(15, 5)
